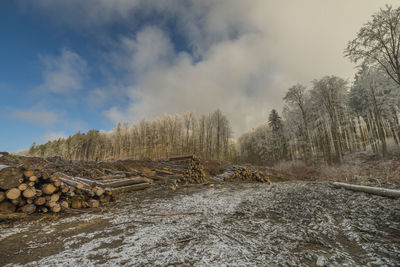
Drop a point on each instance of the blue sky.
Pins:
(69, 66)
(29, 40)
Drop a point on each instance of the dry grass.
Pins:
(360, 168)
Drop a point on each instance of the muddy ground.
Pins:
(230, 224)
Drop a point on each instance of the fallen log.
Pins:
(12, 216)
(184, 157)
(9, 177)
(128, 188)
(110, 177)
(72, 181)
(174, 213)
(87, 181)
(164, 172)
(369, 189)
(75, 184)
(126, 181)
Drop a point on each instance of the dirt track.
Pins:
(287, 224)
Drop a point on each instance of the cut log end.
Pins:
(13, 193)
(56, 208)
(48, 189)
(29, 208)
(30, 192)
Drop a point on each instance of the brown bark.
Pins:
(129, 188)
(125, 182)
(7, 207)
(9, 177)
(369, 189)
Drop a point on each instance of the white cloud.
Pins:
(245, 53)
(41, 117)
(63, 74)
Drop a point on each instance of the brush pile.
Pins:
(244, 174)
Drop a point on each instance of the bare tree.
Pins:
(296, 96)
(378, 42)
(329, 94)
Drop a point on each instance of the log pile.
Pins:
(179, 170)
(33, 189)
(195, 172)
(246, 175)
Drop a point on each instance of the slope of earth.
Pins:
(286, 224)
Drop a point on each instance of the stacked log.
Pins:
(247, 175)
(195, 172)
(178, 170)
(33, 189)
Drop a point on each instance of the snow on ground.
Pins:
(287, 224)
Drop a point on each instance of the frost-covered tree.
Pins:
(329, 96)
(375, 98)
(209, 137)
(298, 102)
(378, 42)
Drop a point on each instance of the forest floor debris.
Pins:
(238, 224)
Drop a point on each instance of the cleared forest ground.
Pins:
(235, 224)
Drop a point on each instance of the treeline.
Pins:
(328, 121)
(331, 118)
(208, 136)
